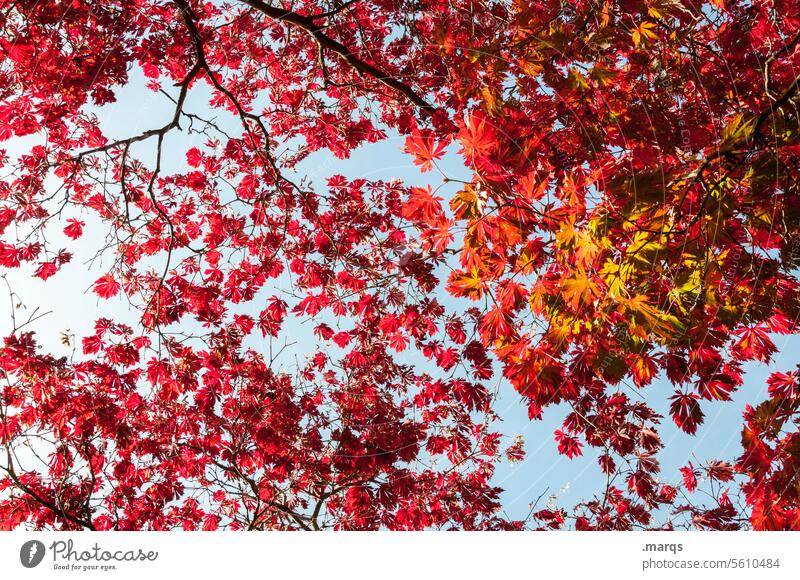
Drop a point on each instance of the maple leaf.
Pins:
(437, 239)
(719, 387)
(586, 250)
(468, 203)
(686, 412)
(469, 284)
(477, 137)
(578, 289)
(496, 325)
(516, 451)
(422, 145)
(656, 322)
(667, 493)
(643, 33)
(568, 445)
(784, 385)
(9, 256)
(193, 157)
(46, 269)
(398, 341)
(75, 229)
(106, 286)
(423, 206)
(603, 75)
(532, 186)
(644, 369)
(689, 477)
(447, 358)
(719, 470)
(755, 344)
(511, 295)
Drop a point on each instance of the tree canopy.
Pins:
(632, 212)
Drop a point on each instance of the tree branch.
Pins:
(306, 23)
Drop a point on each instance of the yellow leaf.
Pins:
(585, 250)
(604, 76)
(560, 328)
(468, 203)
(735, 131)
(644, 249)
(492, 101)
(578, 289)
(658, 9)
(613, 279)
(689, 282)
(566, 235)
(577, 80)
(643, 33)
(663, 325)
(763, 214)
(531, 64)
(605, 14)
(538, 299)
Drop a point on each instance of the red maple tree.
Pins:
(633, 212)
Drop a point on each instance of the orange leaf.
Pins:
(423, 206)
(577, 289)
(467, 284)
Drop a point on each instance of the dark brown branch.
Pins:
(40, 500)
(307, 24)
(173, 124)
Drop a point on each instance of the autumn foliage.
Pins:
(632, 218)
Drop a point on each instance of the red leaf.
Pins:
(689, 477)
(106, 286)
(423, 206)
(342, 339)
(194, 157)
(686, 411)
(567, 444)
(422, 145)
(74, 230)
(784, 385)
(46, 269)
